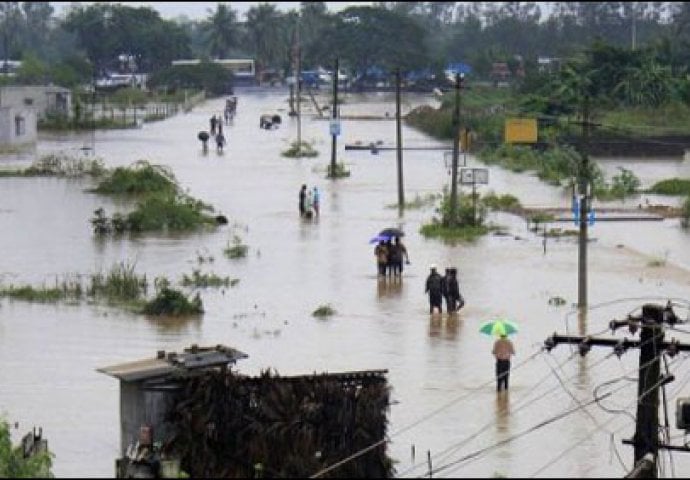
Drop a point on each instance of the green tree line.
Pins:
(88, 38)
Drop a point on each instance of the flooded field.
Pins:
(440, 369)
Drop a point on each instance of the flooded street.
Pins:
(441, 370)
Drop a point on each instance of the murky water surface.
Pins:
(441, 370)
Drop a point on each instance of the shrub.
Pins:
(237, 249)
(141, 178)
(323, 311)
(13, 464)
(173, 302)
(673, 186)
(298, 150)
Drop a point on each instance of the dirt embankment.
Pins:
(622, 146)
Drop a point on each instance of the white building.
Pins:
(22, 106)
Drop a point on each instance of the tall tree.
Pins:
(265, 32)
(10, 17)
(222, 30)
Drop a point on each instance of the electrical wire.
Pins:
(443, 455)
(419, 421)
(589, 434)
(536, 427)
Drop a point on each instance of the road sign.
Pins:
(335, 127)
(473, 176)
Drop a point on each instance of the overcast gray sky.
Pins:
(198, 10)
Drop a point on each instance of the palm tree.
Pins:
(265, 32)
(221, 28)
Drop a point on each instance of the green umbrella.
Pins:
(498, 328)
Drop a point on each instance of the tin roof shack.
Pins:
(148, 390)
(212, 422)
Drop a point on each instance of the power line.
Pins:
(441, 456)
(419, 421)
(586, 437)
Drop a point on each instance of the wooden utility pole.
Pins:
(652, 346)
(334, 116)
(299, 91)
(583, 183)
(456, 141)
(398, 136)
(647, 426)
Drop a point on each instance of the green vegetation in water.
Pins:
(468, 224)
(298, 150)
(237, 249)
(203, 280)
(60, 165)
(162, 205)
(139, 179)
(13, 464)
(672, 186)
(62, 123)
(505, 203)
(323, 311)
(622, 185)
(172, 302)
(120, 284)
(419, 202)
(465, 233)
(41, 294)
(340, 171)
(553, 165)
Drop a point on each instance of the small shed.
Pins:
(147, 387)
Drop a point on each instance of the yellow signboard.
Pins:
(521, 130)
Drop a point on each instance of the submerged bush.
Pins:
(303, 149)
(237, 249)
(168, 212)
(340, 171)
(323, 311)
(173, 302)
(60, 165)
(202, 280)
(141, 178)
(673, 186)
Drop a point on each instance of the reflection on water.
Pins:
(49, 353)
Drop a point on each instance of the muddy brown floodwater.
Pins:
(441, 370)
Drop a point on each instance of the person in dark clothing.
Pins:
(444, 288)
(454, 300)
(434, 289)
(389, 257)
(381, 254)
(213, 123)
(302, 199)
(398, 251)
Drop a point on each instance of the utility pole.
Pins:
(583, 182)
(398, 136)
(652, 346)
(299, 91)
(647, 425)
(456, 141)
(335, 117)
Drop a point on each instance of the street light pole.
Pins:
(398, 136)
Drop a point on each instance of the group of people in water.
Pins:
(309, 202)
(389, 257)
(216, 126)
(444, 287)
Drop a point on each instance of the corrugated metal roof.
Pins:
(163, 365)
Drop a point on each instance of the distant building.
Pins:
(243, 69)
(22, 106)
(500, 71)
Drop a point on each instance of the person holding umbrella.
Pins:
(502, 351)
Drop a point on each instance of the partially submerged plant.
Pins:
(302, 149)
(237, 249)
(172, 302)
(323, 311)
(203, 280)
